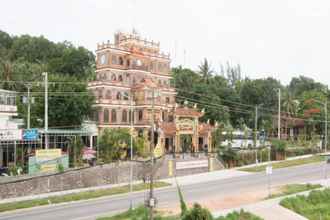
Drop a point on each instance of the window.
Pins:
(128, 63)
(124, 116)
(119, 96)
(106, 116)
(126, 95)
(100, 94)
(140, 115)
(113, 77)
(108, 94)
(121, 61)
(120, 78)
(159, 82)
(131, 115)
(113, 115)
(170, 118)
(167, 100)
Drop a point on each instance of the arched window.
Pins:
(121, 61)
(124, 116)
(119, 96)
(106, 116)
(100, 93)
(113, 115)
(140, 115)
(126, 96)
(167, 100)
(128, 63)
(131, 115)
(113, 77)
(114, 59)
(159, 82)
(108, 94)
(120, 78)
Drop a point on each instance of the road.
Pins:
(168, 197)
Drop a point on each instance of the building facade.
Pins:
(132, 74)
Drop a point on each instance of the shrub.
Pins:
(197, 213)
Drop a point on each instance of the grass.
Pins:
(76, 196)
(242, 215)
(286, 163)
(141, 213)
(295, 188)
(315, 206)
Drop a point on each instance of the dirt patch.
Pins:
(226, 202)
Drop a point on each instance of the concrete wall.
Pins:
(94, 176)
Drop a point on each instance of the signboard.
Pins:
(47, 160)
(185, 126)
(30, 134)
(158, 151)
(192, 164)
(10, 134)
(269, 170)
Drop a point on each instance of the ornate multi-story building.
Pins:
(134, 74)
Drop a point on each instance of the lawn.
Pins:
(76, 196)
(286, 163)
(294, 188)
(315, 206)
(141, 213)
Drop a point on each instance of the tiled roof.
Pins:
(204, 128)
(188, 112)
(145, 83)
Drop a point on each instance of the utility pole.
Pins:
(131, 162)
(279, 115)
(29, 106)
(45, 74)
(326, 125)
(151, 195)
(255, 133)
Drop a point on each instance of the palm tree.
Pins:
(205, 70)
(291, 107)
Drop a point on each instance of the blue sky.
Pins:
(278, 38)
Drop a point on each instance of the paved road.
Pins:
(168, 196)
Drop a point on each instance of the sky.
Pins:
(277, 38)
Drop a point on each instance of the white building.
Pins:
(9, 127)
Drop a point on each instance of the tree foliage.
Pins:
(24, 58)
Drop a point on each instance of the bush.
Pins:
(279, 145)
(197, 213)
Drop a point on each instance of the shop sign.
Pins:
(30, 134)
(10, 134)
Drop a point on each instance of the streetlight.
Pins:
(256, 130)
(130, 97)
(45, 75)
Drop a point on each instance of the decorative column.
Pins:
(195, 135)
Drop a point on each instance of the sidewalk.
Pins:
(268, 210)
(271, 209)
(277, 161)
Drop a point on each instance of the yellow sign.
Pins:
(158, 151)
(48, 154)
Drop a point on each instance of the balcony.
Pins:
(8, 109)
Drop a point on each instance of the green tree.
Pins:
(113, 144)
(205, 70)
